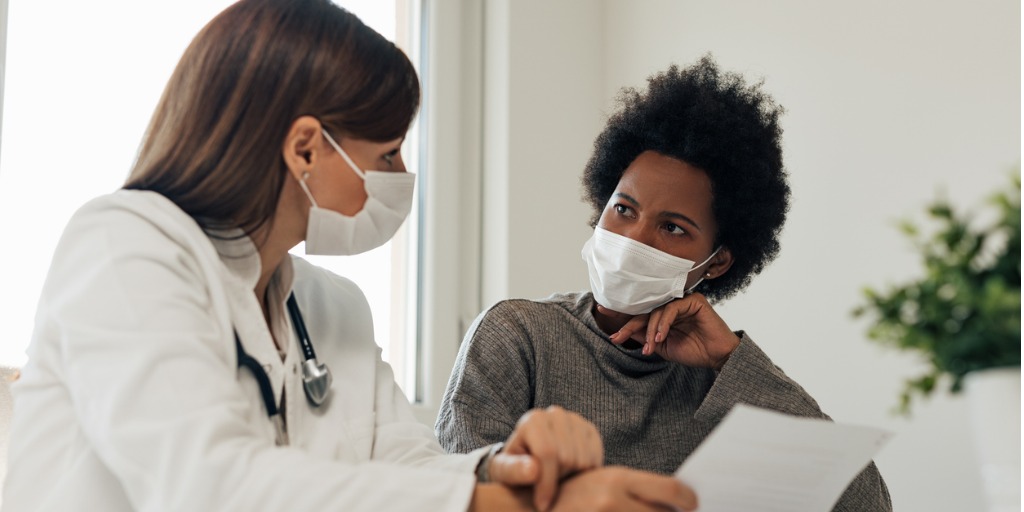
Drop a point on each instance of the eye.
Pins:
(674, 229)
(624, 211)
(390, 156)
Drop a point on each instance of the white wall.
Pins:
(543, 91)
(3, 51)
(887, 103)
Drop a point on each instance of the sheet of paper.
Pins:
(757, 459)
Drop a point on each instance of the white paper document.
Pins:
(762, 460)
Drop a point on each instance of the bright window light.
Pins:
(79, 91)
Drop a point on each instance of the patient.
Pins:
(690, 196)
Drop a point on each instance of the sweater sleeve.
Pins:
(750, 377)
(491, 385)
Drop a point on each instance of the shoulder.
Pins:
(133, 260)
(137, 206)
(133, 220)
(129, 224)
(536, 312)
(515, 324)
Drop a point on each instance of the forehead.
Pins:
(665, 183)
(371, 144)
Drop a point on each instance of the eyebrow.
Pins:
(668, 214)
(398, 145)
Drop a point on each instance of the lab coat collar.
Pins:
(242, 259)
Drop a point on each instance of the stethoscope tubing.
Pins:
(300, 328)
(316, 387)
(262, 380)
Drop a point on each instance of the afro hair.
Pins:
(715, 121)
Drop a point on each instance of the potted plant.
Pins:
(963, 317)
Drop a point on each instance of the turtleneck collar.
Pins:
(630, 361)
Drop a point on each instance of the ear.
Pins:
(299, 150)
(720, 263)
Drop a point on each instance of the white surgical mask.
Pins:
(388, 200)
(632, 278)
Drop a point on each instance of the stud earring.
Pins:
(305, 175)
(707, 275)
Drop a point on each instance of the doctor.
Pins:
(182, 360)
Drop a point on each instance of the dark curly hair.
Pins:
(715, 121)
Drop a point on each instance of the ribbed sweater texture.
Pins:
(524, 354)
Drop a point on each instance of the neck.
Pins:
(611, 321)
(270, 265)
(273, 246)
(278, 235)
(270, 258)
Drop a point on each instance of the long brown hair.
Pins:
(213, 146)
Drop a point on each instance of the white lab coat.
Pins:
(132, 398)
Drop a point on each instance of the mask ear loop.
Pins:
(305, 188)
(355, 168)
(706, 274)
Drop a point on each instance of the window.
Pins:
(79, 90)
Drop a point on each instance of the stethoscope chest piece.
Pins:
(316, 376)
(316, 379)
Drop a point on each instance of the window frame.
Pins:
(451, 71)
(446, 276)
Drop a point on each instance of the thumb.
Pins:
(514, 469)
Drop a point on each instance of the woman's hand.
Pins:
(686, 330)
(622, 489)
(547, 445)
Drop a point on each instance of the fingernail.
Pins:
(545, 504)
(659, 337)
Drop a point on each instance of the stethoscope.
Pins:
(316, 376)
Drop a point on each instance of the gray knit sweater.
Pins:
(652, 414)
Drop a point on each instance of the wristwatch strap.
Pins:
(483, 468)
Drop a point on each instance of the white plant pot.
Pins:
(993, 398)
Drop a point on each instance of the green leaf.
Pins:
(964, 314)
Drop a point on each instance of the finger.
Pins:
(532, 438)
(541, 444)
(514, 469)
(589, 448)
(665, 322)
(634, 504)
(690, 305)
(595, 446)
(662, 490)
(652, 326)
(547, 484)
(570, 451)
(652, 333)
(634, 325)
(614, 315)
